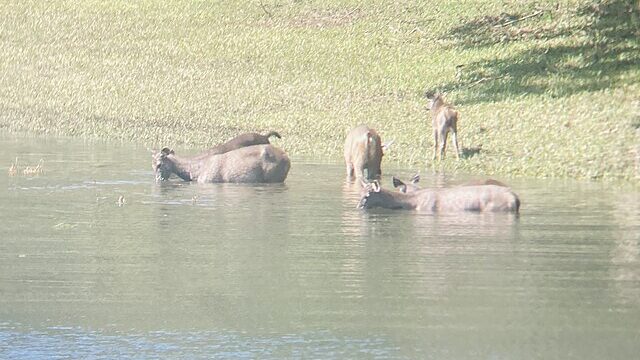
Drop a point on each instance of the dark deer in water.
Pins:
(364, 150)
(251, 164)
(476, 198)
(405, 188)
(242, 140)
(485, 182)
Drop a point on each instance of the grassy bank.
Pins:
(546, 88)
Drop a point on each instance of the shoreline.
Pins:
(555, 95)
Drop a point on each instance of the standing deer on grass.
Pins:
(444, 119)
(363, 149)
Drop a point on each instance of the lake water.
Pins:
(181, 270)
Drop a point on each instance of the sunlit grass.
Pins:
(550, 95)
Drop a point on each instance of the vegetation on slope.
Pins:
(544, 88)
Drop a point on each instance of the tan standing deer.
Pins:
(363, 149)
(444, 119)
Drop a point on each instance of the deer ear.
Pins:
(415, 179)
(165, 152)
(375, 185)
(370, 138)
(396, 182)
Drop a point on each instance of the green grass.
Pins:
(553, 95)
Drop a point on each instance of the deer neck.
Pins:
(437, 105)
(187, 169)
(395, 200)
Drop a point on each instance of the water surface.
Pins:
(180, 270)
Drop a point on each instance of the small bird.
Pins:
(121, 201)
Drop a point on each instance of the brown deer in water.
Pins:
(444, 119)
(364, 150)
(251, 164)
(242, 140)
(476, 198)
(405, 188)
(485, 182)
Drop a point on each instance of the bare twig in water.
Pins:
(13, 169)
(520, 19)
(34, 170)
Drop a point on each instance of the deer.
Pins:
(444, 119)
(242, 140)
(472, 198)
(251, 164)
(363, 150)
(405, 188)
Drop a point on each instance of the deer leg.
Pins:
(435, 144)
(454, 135)
(359, 170)
(349, 171)
(443, 144)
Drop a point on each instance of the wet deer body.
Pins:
(363, 149)
(444, 119)
(476, 198)
(240, 141)
(412, 186)
(251, 164)
(485, 182)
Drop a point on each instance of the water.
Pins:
(182, 270)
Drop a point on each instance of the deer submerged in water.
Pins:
(475, 198)
(247, 158)
(240, 141)
(412, 185)
(251, 164)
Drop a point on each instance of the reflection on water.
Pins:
(182, 270)
(625, 255)
(77, 342)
